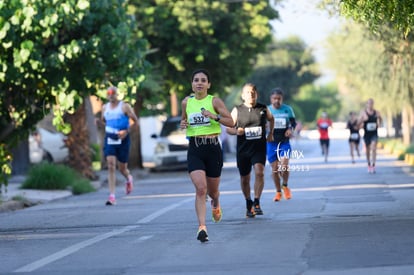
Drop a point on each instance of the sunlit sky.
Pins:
(302, 18)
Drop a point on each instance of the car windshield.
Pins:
(171, 127)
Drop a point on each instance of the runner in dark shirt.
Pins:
(250, 120)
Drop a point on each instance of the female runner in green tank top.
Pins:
(202, 115)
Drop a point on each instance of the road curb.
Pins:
(14, 205)
(30, 197)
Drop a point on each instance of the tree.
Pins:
(288, 64)
(312, 100)
(382, 68)
(389, 25)
(398, 14)
(54, 54)
(221, 36)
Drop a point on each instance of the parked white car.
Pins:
(171, 147)
(45, 145)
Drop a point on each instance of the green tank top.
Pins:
(199, 125)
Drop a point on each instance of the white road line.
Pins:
(76, 247)
(304, 189)
(164, 210)
(144, 238)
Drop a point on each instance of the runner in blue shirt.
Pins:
(116, 116)
(278, 151)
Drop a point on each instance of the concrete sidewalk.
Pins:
(14, 198)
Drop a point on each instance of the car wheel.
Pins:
(154, 170)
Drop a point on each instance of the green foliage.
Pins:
(55, 53)
(381, 68)
(19, 198)
(96, 152)
(287, 64)
(221, 36)
(307, 110)
(394, 146)
(385, 67)
(404, 150)
(46, 176)
(410, 149)
(297, 109)
(399, 14)
(82, 186)
(5, 165)
(96, 157)
(315, 99)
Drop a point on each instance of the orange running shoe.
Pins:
(278, 196)
(216, 212)
(286, 192)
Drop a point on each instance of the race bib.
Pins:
(111, 141)
(197, 119)
(324, 125)
(253, 132)
(280, 123)
(354, 136)
(371, 126)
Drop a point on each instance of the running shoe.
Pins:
(111, 201)
(278, 196)
(373, 170)
(369, 169)
(216, 212)
(129, 185)
(257, 209)
(202, 234)
(286, 193)
(250, 213)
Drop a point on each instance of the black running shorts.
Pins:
(205, 154)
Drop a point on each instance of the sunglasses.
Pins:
(110, 92)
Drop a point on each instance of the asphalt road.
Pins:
(340, 220)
